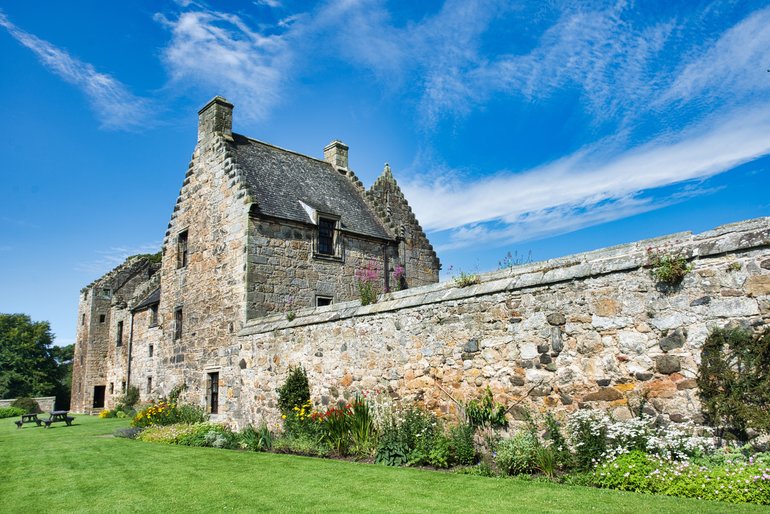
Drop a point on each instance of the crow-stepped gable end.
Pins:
(257, 232)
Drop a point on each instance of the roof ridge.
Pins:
(254, 140)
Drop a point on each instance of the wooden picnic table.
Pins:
(28, 418)
(57, 416)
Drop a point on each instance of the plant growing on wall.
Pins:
(668, 268)
(367, 279)
(295, 391)
(485, 412)
(290, 314)
(734, 380)
(399, 278)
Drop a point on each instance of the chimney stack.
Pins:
(336, 154)
(215, 117)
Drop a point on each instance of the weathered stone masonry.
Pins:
(589, 329)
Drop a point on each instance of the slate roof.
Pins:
(279, 180)
(151, 299)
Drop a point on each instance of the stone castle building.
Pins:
(256, 231)
(257, 275)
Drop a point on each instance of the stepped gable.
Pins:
(393, 208)
(278, 180)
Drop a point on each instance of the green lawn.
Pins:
(83, 468)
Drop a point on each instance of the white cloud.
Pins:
(112, 102)
(220, 53)
(587, 188)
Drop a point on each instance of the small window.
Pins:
(150, 350)
(83, 319)
(149, 385)
(178, 323)
(326, 230)
(119, 337)
(181, 249)
(102, 318)
(106, 293)
(123, 387)
(153, 315)
(321, 301)
(214, 393)
(112, 387)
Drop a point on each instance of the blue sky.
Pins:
(542, 127)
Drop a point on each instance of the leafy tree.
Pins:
(29, 364)
(734, 380)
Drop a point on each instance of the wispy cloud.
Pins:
(220, 53)
(107, 259)
(112, 102)
(587, 187)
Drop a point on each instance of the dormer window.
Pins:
(326, 228)
(328, 244)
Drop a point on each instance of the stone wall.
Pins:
(592, 329)
(284, 274)
(46, 403)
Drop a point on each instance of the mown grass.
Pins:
(83, 468)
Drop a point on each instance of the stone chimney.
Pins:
(336, 153)
(216, 116)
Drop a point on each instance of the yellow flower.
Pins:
(283, 416)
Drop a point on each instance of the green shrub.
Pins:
(129, 400)
(11, 412)
(629, 472)
(463, 447)
(335, 428)
(518, 454)
(295, 391)
(588, 432)
(439, 454)
(166, 434)
(29, 405)
(733, 382)
(256, 439)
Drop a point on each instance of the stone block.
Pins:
(674, 339)
(605, 394)
(667, 364)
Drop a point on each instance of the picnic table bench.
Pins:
(28, 418)
(58, 416)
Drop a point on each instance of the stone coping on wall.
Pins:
(46, 403)
(734, 237)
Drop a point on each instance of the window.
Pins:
(99, 397)
(181, 249)
(83, 319)
(326, 229)
(149, 385)
(106, 293)
(214, 392)
(112, 387)
(102, 317)
(321, 301)
(119, 337)
(151, 350)
(123, 387)
(178, 323)
(153, 315)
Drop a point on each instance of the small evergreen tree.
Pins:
(734, 380)
(295, 391)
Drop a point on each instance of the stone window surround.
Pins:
(153, 315)
(336, 237)
(178, 323)
(321, 298)
(182, 248)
